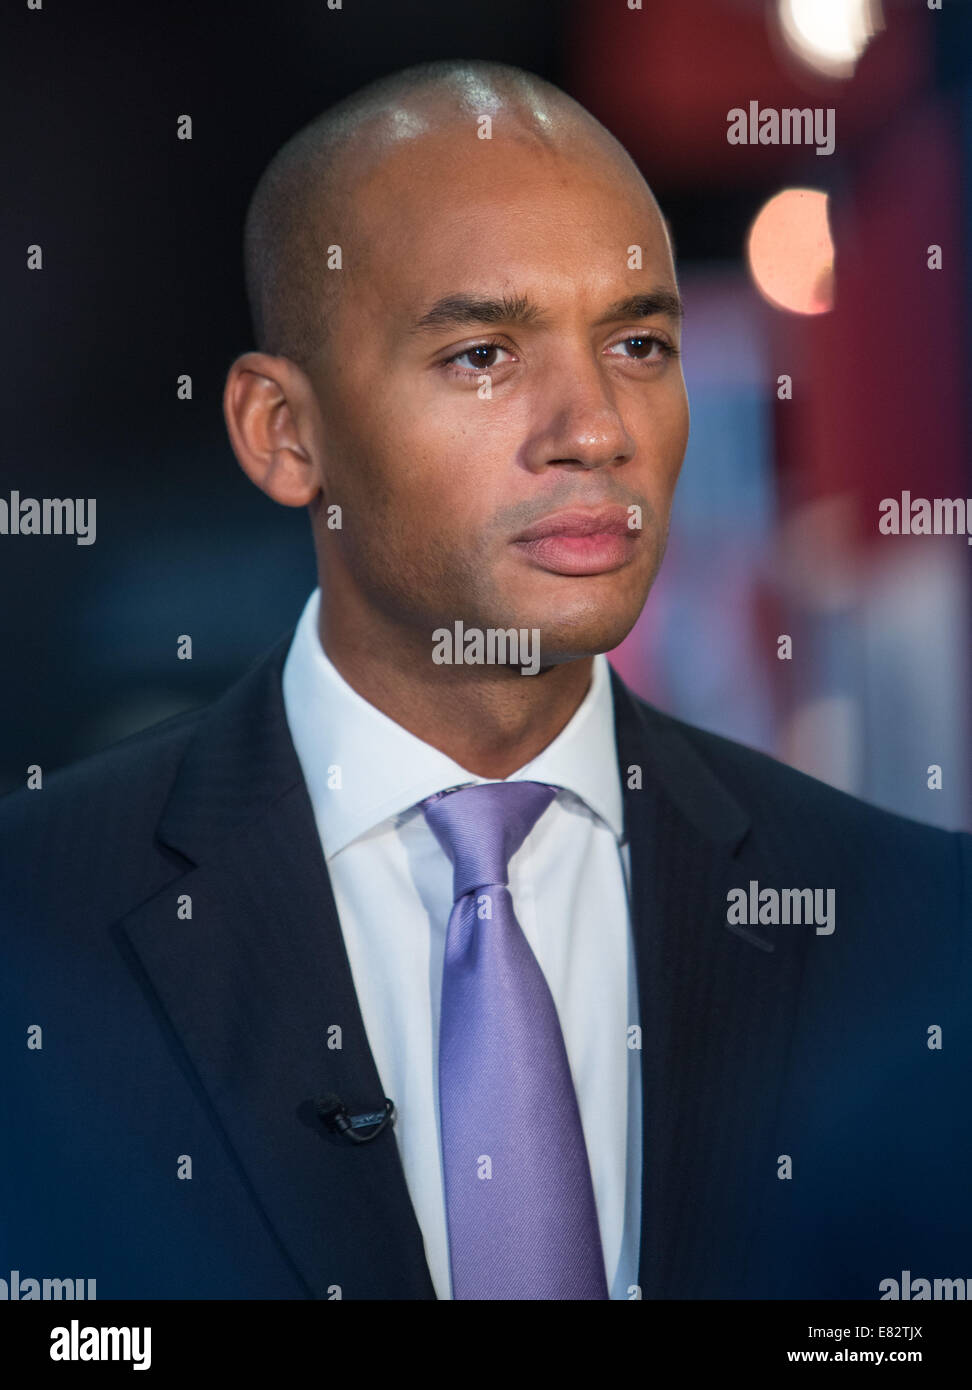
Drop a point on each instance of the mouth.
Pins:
(580, 541)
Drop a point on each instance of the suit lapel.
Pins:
(716, 1008)
(254, 986)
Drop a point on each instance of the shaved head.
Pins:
(303, 204)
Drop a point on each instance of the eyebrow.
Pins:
(458, 310)
(645, 306)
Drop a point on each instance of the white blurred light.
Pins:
(830, 35)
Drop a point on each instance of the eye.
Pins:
(648, 348)
(481, 357)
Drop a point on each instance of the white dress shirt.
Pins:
(392, 885)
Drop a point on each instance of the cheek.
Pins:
(400, 437)
(451, 469)
(409, 492)
(669, 433)
(660, 431)
(675, 410)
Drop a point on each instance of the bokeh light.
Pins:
(830, 35)
(791, 253)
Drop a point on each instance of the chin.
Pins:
(585, 618)
(563, 648)
(564, 637)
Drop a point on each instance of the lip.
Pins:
(580, 541)
(580, 521)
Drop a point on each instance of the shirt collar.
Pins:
(362, 768)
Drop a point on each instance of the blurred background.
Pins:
(828, 364)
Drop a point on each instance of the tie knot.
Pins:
(481, 827)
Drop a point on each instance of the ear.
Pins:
(266, 405)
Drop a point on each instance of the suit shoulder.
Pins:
(103, 791)
(772, 790)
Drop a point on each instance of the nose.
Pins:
(578, 420)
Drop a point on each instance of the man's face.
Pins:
(533, 388)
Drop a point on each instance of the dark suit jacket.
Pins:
(207, 1038)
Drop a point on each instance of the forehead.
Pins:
(449, 211)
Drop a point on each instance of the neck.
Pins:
(491, 720)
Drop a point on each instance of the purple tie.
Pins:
(519, 1197)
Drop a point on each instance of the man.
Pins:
(430, 961)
